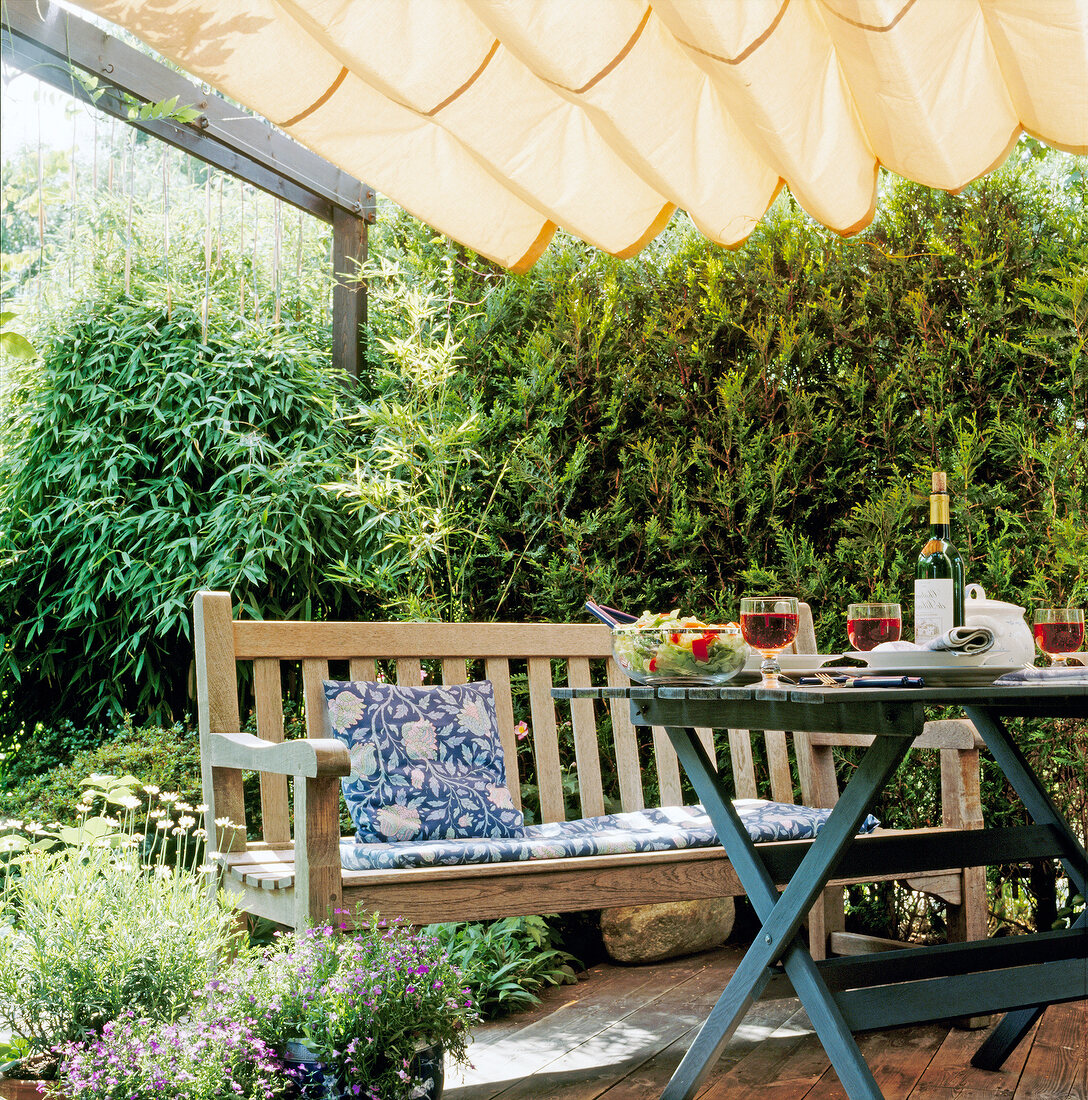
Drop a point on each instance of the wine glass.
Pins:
(1059, 631)
(769, 624)
(869, 624)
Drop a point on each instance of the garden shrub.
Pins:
(91, 936)
(166, 757)
(144, 463)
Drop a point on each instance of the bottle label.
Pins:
(932, 609)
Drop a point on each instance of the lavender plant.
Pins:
(196, 1060)
(363, 1004)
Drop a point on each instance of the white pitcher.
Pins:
(1012, 635)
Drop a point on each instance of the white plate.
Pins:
(886, 659)
(936, 668)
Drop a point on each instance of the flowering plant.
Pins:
(133, 1059)
(363, 1004)
(94, 921)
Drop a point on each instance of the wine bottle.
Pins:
(938, 576)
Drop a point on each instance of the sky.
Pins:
(29, 107)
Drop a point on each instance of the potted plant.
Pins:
(366, 1013)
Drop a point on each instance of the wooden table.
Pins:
(1018, 975)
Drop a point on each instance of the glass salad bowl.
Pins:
(664, 649)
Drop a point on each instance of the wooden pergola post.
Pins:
(46, 41)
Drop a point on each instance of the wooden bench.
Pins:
(294, 876)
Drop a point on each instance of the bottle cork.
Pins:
(940, 482)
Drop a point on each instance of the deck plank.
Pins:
(1057, 1064)
(620, 1034)
(950, 1075)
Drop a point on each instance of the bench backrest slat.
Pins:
(314, 674)
(587, 754)
(362, 668)
(744, 771)
(668, 769)
(778, 765)
(625, 745)
(545, 740)
(497, 670)
(268, 700)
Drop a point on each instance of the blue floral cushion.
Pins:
(426, 762)
(657, 830)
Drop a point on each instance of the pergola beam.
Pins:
(46, 41)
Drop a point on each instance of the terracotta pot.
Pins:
(17, 1088)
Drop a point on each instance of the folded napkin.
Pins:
(960, 639)
(1056, 674)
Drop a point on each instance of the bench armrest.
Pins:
(306, 757)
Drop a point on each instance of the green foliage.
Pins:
(94, 934)
(506, 962)
(38, 788)
(698, 422)
(148, 461)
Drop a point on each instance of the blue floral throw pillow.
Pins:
(426, 762)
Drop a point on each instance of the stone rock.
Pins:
(650, 933)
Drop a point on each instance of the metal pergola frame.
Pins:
(46, 41)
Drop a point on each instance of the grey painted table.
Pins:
(1018, 975)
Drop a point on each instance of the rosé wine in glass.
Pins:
(1059, 631)
(769, 625)
(869, 624)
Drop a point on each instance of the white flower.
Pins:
(186, 822)
(151, 790)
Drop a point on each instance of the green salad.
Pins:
(665, 644)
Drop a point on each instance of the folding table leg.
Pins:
(1007, 1035)
(782, 916)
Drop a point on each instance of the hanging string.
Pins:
(256, 236)
(166, 229)
(219, 234)
(277, 240)
(72, 207)
(41, 208)
(298, 271)
(128, 235)
(241, 254)
(207, 255)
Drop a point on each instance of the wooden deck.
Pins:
(621, 1032)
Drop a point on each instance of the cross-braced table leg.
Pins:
(1004, 1038)
(782, 916)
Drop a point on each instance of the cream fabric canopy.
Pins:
(498, 120)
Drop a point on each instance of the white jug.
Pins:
(1012, 635)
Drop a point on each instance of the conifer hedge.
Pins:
(669, 431)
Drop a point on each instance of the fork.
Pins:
(832, 681)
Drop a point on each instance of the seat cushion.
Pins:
(426, 762)
(656, 830)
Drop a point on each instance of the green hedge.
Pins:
(669, 431)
